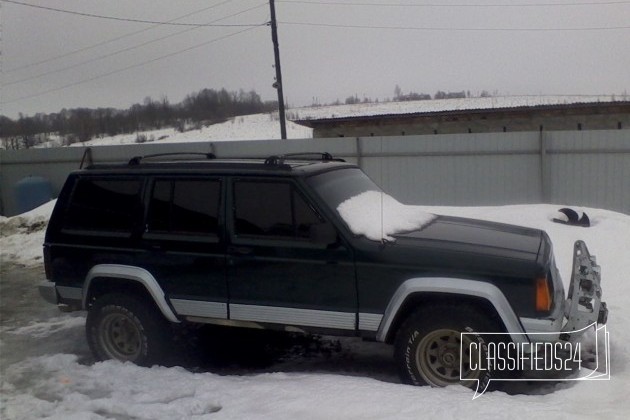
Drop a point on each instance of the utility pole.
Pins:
(278, 82)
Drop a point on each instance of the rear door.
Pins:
(278, 269)
(184, 243)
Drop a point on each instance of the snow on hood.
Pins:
(379, 216)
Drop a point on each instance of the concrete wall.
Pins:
(581, 168)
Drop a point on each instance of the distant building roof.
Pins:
(435, 106)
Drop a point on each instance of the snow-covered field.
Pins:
(246, 127)
(62, 382)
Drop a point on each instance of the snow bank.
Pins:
(69, 390)
(22, 236)
(378, 216)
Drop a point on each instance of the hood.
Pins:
(472, 233)
(468, 244)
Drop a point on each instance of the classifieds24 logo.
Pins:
(582, 355)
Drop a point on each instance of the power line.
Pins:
(455, 29)
(91, 79)
(152, 22)
(108, 41)
(445, 5)
(124, 50)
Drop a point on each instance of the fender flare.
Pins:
(137, 274)
(454, 286)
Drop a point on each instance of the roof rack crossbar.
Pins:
(275, 160)
(137, 159)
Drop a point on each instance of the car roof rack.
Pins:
(137, 159)
(278, 160)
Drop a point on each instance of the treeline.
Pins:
(207, 106)
(400, 96)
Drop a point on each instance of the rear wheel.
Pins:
(430, 348)
(127, 328)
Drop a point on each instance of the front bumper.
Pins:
(556, 350)
(581, 308)
(584, 306)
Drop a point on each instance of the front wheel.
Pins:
(430, 348)
(126, 328)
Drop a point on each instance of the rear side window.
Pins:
(184, 206)
(108, 205)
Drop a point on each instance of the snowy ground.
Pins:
(47, 371)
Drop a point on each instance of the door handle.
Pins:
(240, 250)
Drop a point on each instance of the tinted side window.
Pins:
(304, 216)
(271, 209)
(104, 204)
(185, 206)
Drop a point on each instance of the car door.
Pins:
(184, 243)
(286, 263)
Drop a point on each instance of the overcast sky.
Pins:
(330, 49)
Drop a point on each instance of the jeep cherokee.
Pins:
(300, 243)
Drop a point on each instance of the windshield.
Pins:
(366, 210)
(335, 187)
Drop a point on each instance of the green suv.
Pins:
(298, 243)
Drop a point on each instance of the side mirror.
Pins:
(323, 234)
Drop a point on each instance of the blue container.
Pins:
(32, 192)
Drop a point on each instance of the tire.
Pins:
(128, 329)
(428, 346)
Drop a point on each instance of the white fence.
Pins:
(580, 168)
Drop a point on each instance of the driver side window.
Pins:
(272, 210)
